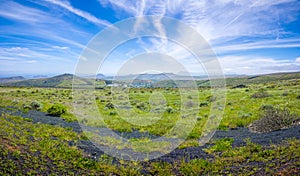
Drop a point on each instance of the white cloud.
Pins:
(124, 5)
(61, 47)
(256, 65)
(23, 14)
(221, 20)
(280, 43)
(215, 20)
(31, 22)
(30, 61)
(66, 5)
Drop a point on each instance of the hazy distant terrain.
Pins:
(156, 80)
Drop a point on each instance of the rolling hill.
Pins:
(160, 80)
(11, 79)
(60, 81)
(234, 81)
(256, 79)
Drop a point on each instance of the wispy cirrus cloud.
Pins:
(266, 44)
(220, 21)
(34, 22)
(58, 30)
(229, 26)
(23, 53)
(24, 14)
(60, 47)
(253, 65)
(66, 5)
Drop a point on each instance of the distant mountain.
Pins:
(60, 81)
(154, 80)
(11, 79)
(157, 77)
(98, 76)
(255, 79)
(39, 76)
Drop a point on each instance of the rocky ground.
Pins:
(239, 135)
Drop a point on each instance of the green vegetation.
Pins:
(251, 159)
(57, 110)
(274, 118)
(260, 94)
(161, 114)
(35, 149)
(39, 149)
(262, 102)
(60, 81)
(220, 145)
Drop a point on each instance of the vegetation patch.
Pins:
(57, 110)
(274, 118)
(260, 94)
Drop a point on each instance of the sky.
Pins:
(44, 37)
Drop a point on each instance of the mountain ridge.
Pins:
(66, 80)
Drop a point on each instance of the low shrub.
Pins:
(266, 107)
(239, 86)
(57, 110)
(109, 105)
(141, 106)
(273, 118)
(169, 110)
(211, 98)
(260, 94)
(189, 104)
(112, 113)
(203, 104)
(220, 145)
(26, 107)
(35, 105)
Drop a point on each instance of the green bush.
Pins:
(112, 113)
(266, 107)
(273, 118)
(203, 104)
(211, 99)
(57, 110)
(26, 107)
(220, 145)
(109, 105)
(141, 106)
(260, 94)
(36, 105)
(169, 110)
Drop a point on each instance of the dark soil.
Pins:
(239, 135)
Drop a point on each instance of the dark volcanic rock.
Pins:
(239, 135)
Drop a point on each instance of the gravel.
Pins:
(239, 135)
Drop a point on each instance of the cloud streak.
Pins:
(231, 27)
(281, 43)
(253, 65)
(66, 5)
(219, 20)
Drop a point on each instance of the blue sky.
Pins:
(248, 36)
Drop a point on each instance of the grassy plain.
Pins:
(42, 148)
